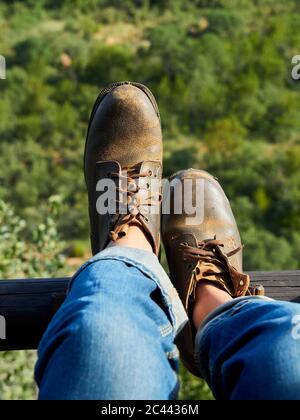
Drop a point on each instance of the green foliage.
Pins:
(25, 255)
(40, 255)
(193, 388)
(221, 72)
(16, 375)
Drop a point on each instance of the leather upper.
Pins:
(208, 251)
(124, 134)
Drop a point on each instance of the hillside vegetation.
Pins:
(221, 72)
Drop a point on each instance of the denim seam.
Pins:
(166, 330)
(200, 339)
(173, 355)
(166, 299)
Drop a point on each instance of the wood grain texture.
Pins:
(282, 285)
(29, 304)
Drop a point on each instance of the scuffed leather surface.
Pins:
(218, 222)
(124, 127)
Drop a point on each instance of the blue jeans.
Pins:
(113, 338)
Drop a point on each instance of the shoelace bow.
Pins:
(215, 264)
(133, 198)
(209, 252)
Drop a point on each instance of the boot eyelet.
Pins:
(132, 187)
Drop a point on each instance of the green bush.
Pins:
(221, 72)
(26, 254)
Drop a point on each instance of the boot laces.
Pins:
(208, 251)
(131, 196)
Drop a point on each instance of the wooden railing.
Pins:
(28, 305)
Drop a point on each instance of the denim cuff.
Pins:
(148, 264)
(216, 316)
(223, 308)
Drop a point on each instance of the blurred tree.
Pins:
(21, 257)
(221, 71)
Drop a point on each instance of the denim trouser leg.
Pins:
(113, 338)
(250, 349)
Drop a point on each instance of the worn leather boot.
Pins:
(124, 145)
(210, 251)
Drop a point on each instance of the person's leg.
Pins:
(249, 348)
(246, 347)
(113, 338)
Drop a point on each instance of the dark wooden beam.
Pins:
(279, 285)
(29, 305)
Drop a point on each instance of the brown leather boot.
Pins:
(124, 145)
(210, 251)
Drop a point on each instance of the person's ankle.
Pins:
(134, 238)
(208, 298)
